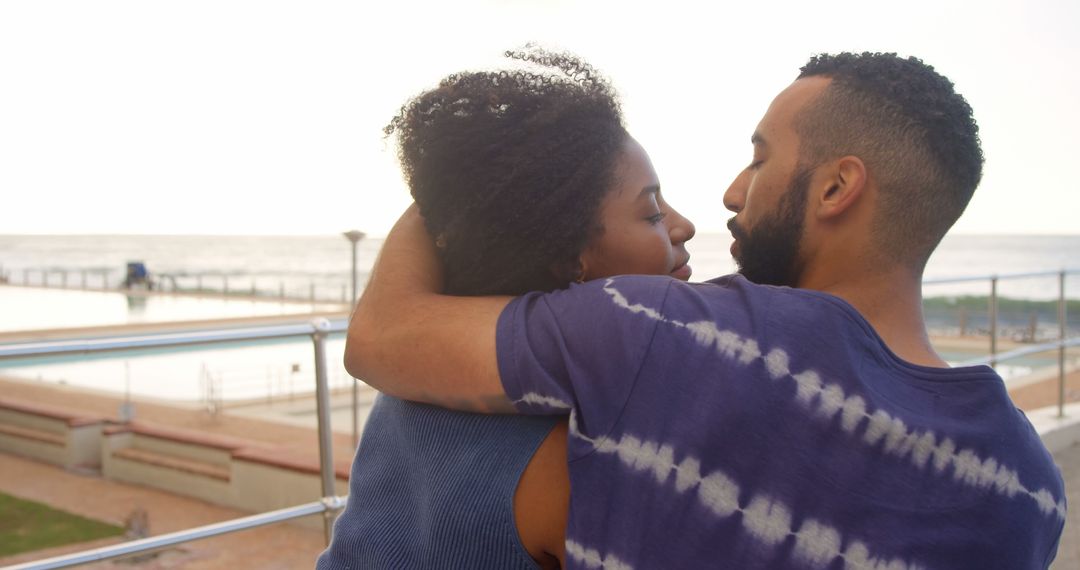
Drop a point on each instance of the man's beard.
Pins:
(768, 254)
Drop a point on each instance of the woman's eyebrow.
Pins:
(652, 189)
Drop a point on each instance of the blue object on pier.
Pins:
(137, 275)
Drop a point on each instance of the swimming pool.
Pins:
(223, 372)
(34, 308)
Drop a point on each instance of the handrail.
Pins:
(992, 309)
(330, 503)
(198, 533)
(1023, 351)
(1022, 275)
(158, 340)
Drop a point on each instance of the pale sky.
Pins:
(265, 117)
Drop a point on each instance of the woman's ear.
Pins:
(572, 272)
(580, 271)
(840, 186)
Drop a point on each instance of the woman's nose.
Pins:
(682, 229)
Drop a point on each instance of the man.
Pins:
(744, 425)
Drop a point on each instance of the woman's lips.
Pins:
(682, 272)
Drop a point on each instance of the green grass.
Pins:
(26, 526)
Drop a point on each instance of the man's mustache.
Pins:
(736, 231)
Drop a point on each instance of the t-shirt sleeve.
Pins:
(579, 349)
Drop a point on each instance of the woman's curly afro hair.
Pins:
(509, 169)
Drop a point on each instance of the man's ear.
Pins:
(839, 186)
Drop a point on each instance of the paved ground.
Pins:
(1045, 393)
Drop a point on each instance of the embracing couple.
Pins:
(793, 416)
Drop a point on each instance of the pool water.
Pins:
(267, 369)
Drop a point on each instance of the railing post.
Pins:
(354, 237)
(311, 292)
(84, 279)
(1062, 314)
(25, 276)
(281, 290)
(198, 283)
(322, 408)
(993, 320)
(225, 285)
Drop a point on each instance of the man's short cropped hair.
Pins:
(914, 132)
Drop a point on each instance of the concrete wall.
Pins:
(34, 449)
(79, 446)
(84, 446)
(185, 450)
(166, 478)
(261, 487)
(33, 421)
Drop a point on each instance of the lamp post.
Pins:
(354, 237)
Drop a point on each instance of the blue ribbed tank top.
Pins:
(432, 488)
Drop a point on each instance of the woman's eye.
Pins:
(656, 218)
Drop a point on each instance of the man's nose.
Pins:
(735, 197)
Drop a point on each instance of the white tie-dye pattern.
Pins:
(541, 400)
(825, 400)
(591, 558)
(636, 308)
(765, 519)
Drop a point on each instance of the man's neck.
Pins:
(891, 302)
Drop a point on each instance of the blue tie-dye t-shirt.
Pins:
(733, 425)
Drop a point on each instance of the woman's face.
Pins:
(642, 233)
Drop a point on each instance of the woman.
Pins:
(528, 181)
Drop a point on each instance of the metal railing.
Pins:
(1062, 344)
(328, 290)
(329, 505)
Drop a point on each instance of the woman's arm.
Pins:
(542, 501)
(408, 340)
